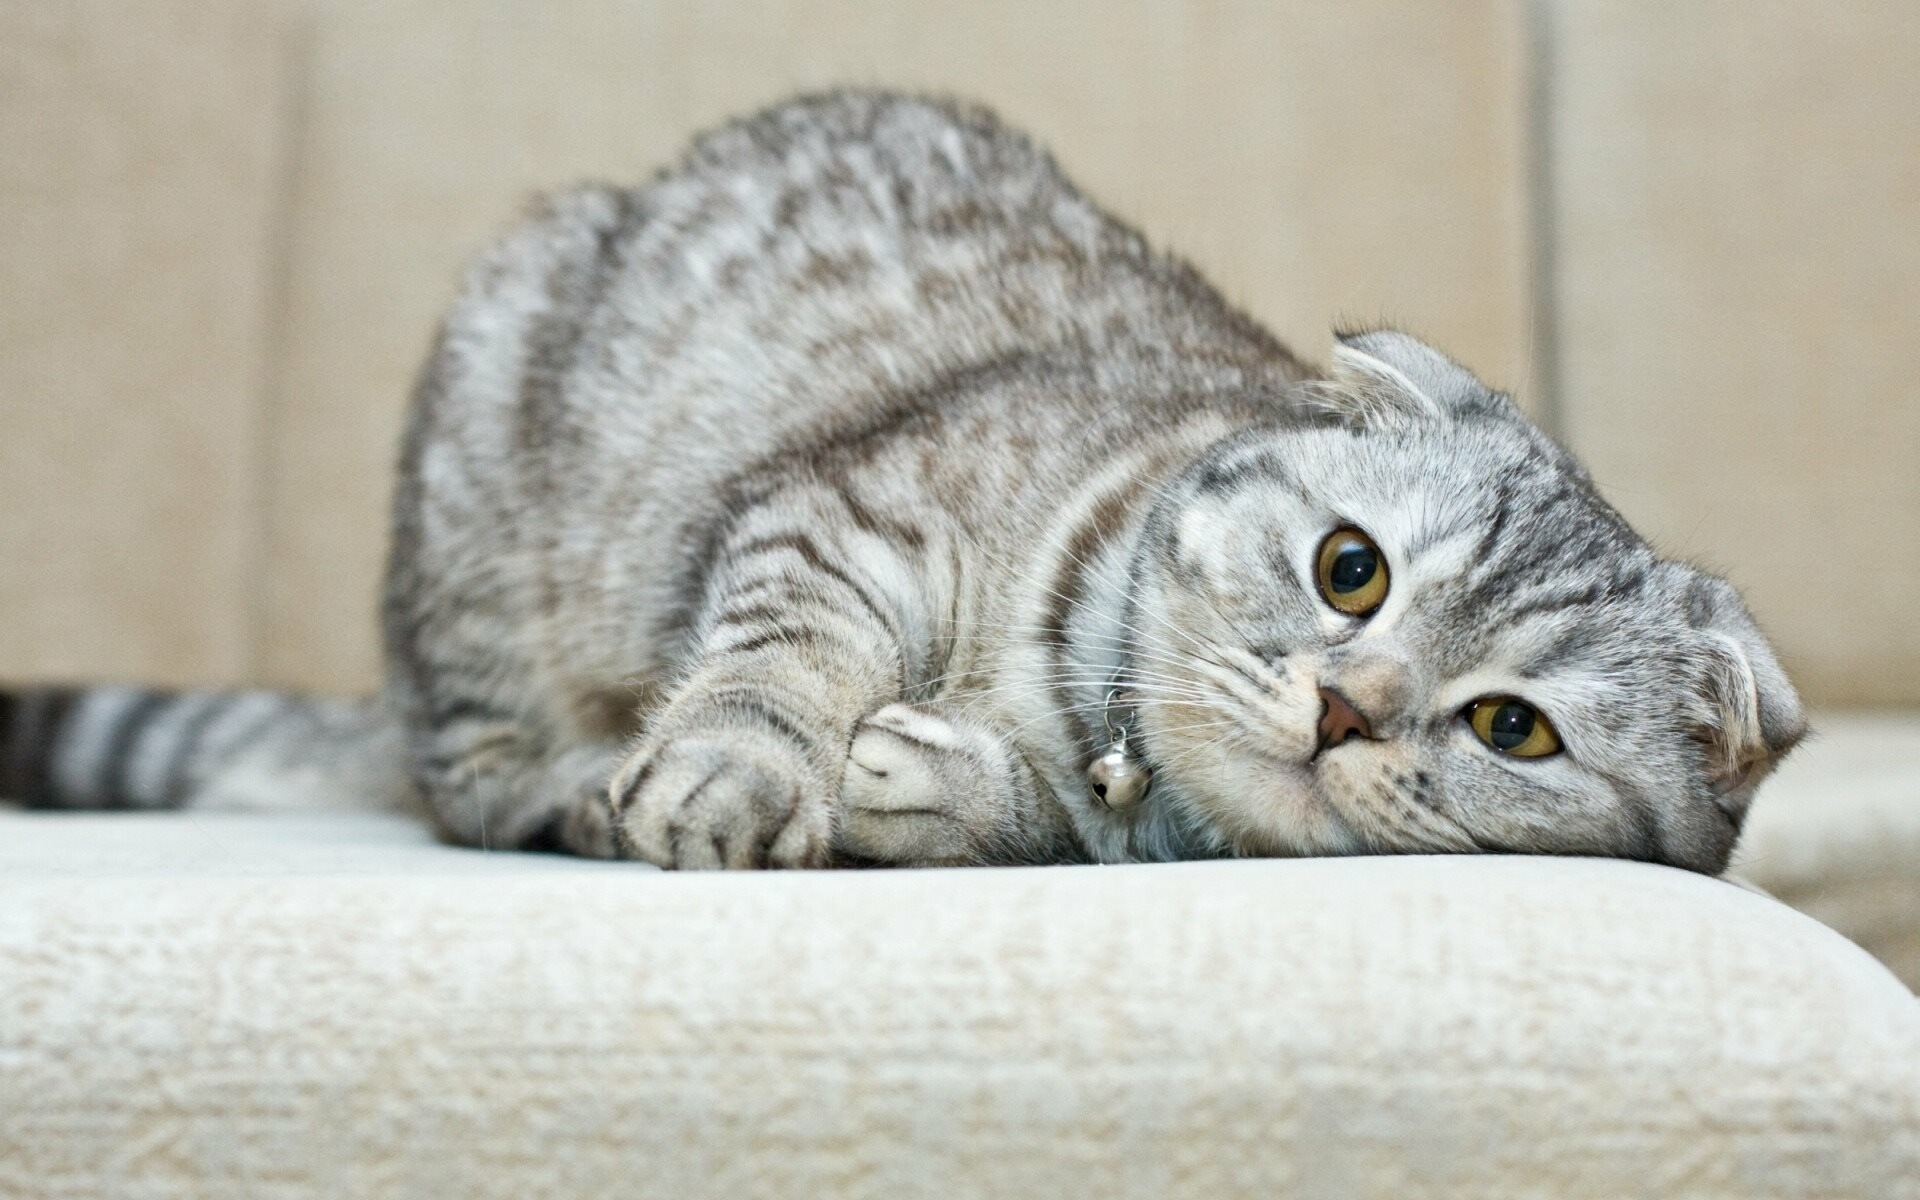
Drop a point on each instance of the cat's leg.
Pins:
(571, 791)
(483, 749)
(795, 641)
(496, 782)
(930, 785)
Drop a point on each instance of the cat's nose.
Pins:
(1340, 720)
(1377, 684)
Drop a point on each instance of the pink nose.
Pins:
(1340, 720)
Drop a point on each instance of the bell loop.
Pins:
(1116, 777)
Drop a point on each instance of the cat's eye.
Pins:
(1512, 726)
(1352, 572)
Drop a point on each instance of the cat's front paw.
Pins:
(708, 802)
(923, 789)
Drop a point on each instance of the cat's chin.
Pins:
(1352, 799)
(1268, 806)
(1383, 796)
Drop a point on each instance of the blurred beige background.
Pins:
(1687, 235)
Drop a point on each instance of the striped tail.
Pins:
(137, 748)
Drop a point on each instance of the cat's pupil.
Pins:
(1352, 569)
(1512, 725)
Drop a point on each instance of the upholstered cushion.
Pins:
(1837, 833)
(222, 1006)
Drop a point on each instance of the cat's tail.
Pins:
(141, 748)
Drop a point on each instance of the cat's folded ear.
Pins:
(1746, 712)
(1383, 377)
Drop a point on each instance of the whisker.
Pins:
(1088, 567)
(1183, 755)
(1059, 712)
(1089, 673)
(1081, 604)
(1101, 640)
(1095, 680)
(1163, 491)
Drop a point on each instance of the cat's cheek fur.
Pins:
(1541, 806)
(1241, 763)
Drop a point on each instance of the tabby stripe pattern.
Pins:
(138, 748)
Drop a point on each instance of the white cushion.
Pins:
(228, 1006)
(1836, 833)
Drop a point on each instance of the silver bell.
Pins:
(1117, 778)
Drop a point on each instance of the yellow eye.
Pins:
(1353, 572)
(1512, 726)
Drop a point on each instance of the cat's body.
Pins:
(846, 491)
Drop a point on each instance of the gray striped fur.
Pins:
(137, 748)
(807, 504)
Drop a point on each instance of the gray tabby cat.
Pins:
(843, 493)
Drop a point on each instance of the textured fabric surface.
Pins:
(1837, 833)
(335, 1007)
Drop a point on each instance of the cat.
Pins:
(847, 492)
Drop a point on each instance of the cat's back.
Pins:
(796, 267)
(841, 247)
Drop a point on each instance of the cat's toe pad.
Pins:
(918, 789)
(706, 803)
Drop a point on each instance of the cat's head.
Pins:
(1425, 630)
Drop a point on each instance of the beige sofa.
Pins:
(1837, 834)
(228, 228)
(331, 1005)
